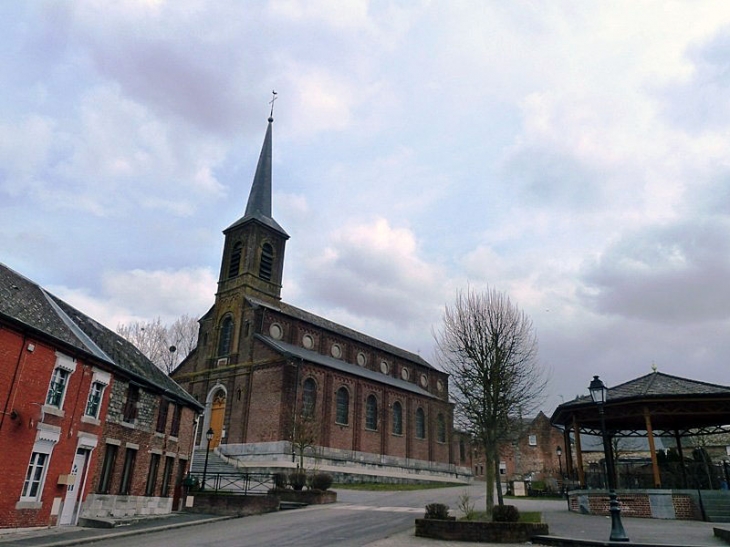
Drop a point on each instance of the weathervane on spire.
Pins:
(271, 102)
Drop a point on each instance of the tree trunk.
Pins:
(500, 495)
(489, 478)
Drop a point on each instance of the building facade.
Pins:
(65, 384)
(279, 383)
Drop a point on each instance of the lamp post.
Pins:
(559, 452)
(209, 437)
(599, 394)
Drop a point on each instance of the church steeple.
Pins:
(253, 253)
(259, 200)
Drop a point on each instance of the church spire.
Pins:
(259, 200)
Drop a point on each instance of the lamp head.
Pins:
(599, 391)
(559, 451)
(209, 434)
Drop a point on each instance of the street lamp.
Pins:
(599, 394)
(209, 437)
(559, 452)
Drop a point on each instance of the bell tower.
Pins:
(253, 251)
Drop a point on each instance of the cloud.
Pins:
(139, 295)
(674, 274)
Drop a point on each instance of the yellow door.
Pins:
(217, 412)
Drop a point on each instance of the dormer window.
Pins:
(267, 261)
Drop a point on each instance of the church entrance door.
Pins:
(217, 412)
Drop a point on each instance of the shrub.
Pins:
(297, 479)
(321, 481)
(505, 513)
(280, 480)
(466, 506)
(437, 511)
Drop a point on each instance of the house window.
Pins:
(267, 261)
(397, 419)
(107, 469)
(99, 381)
(175, 426)
(420, 424)
(309, 398)
(57, 388)
(35, 477)
(440, 428)
(462, 451)
(235, 263)
(371, 413)
(226, 336)
(532, 440)
(343, 406)
(502, 468)
(65, 366)
(125, 486)
(93, 405)
(130, 406)
(152, 475)
(162, 415)
(166, 476)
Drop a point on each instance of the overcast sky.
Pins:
(575, 155)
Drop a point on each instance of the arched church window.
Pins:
(397, 418)
(226, 336)
(235, 262)
(420, 424)
(371, 413)
(267, 261)
(343, 406)
(440, 428)
(309, 398)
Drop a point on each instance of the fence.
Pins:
(238, 483)
(638, 474)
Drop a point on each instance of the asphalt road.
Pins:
(359, 518)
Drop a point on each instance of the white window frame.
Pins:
(532, 440)
(100, 379)
(46, 439)
(66, 366)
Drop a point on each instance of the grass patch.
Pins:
(386, 487)
(526, 516)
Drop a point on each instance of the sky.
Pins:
(573, 155)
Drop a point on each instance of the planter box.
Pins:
(474, 530)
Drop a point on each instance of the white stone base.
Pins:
(111, 506)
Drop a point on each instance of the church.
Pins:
(283, 387)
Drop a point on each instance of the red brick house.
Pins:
(268, 372)
(532, 455)
(67, 385)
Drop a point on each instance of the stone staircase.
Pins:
(222, 474)
(716, 504)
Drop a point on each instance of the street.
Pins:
(358, 518)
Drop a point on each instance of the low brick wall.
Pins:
(310, 497)
(231, 505)
(661, 504)
(471, 530)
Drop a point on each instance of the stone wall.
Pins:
(216, 504)
(661, 504)
(112, 506)
(484, 532)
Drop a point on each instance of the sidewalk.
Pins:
(565, 529)
(62, 536)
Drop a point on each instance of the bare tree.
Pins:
(303, 434)
(165, 345)
(489, 348)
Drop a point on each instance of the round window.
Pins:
(440, 385)
(276, 331)
(404, 373)
(336, 351)
(384, 367)
(308, 341)
(361, 359)
(424, 380)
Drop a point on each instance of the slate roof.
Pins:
(290, 350)
(258, 207)
(673, 403)
(321, 322)
(656, 384)
(26, 304)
